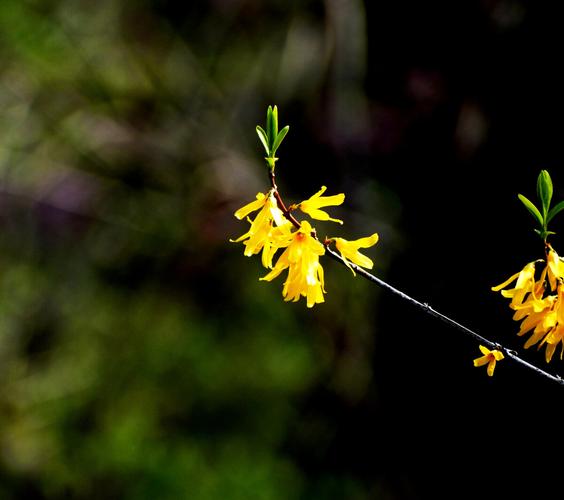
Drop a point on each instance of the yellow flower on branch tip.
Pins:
(265, 229)
(539, 305)
(525, 283)
(349, 251)
(301, 258)
(490, 358)
(266, 202)
(312, 205)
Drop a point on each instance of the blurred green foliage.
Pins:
(140, 357)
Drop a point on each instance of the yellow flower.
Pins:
(301, 258)
(534, 302)
(265, 228)
(312, 205)
(555, 268)
(349, 251)
(553, 326)
(525, 283)
(552, 340)
(539, 311)
(490, 358)
(266, 202)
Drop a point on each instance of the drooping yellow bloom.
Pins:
(555, 267)
(301, 258)
(490, 358)
(551, 330)
(539, 305)
(349, 251)
(312, 205)
(265, 229)
(525, 282)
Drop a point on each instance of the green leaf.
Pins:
(263, 138)
(279, 139)
(554, 210)
(272, 125)
(532, 209)
(544, 190)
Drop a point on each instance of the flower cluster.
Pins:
(539, 304)
(275, 228)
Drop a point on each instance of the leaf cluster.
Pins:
(545, 214)
(271, 138)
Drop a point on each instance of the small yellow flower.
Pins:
(301, 258)
(349, 251)
(490, 358)
(265, 228)
(312, 205)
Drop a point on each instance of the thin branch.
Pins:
(510, 353)
(445, 319)
(280, 202)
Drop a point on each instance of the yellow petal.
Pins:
(535, 338)
(250, 207)
(317, 201)
(367, 241)
(481, 360)
(240, 238)
(498, 355)
(491, 367)
(312, 205)
(349, 252)
(505, 283)
(484, 350)
(316, 195)
(362, 260)
(550, 348)
(317, 214)
(530, 322)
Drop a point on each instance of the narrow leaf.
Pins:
(531, 208)
(554, 210)
(268, 122)
(272, 125)
(279, 139)
(544, 190)
(263, 138)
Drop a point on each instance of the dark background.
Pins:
(140, 357)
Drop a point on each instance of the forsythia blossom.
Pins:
(349, 251)
(539, 304)
(490, 358)
(312, 206)
(264, 228)
(274, 228)
(301, 258)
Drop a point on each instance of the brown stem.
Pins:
(280, 202)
